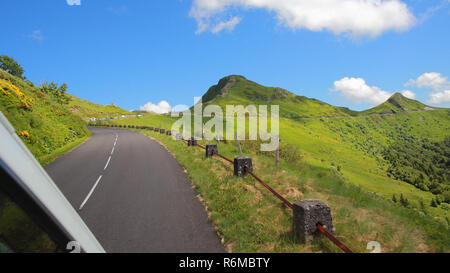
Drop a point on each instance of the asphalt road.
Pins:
(133, 195)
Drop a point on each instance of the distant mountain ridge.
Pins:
(87, 110)
(236, 89)
(398, 103)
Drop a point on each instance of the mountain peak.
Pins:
(397, 103)
(237, 90)
(222, 87)
(398, 97)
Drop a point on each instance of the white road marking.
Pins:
(114, 146)
(107, 163)
(90, 193)
(100, 177)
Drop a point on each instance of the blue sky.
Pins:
(134, 52)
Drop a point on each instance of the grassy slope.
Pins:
(351, 141)
(48, 130)
(328, 135)
(51, 127)
(251, 219)
(342, 142)
(86, 109)
(396, 104)
(238, 90)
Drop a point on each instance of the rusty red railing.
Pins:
(287, 203)
(333, 239)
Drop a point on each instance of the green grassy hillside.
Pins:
(355, 146)
(238, 90)
(397, 103)
(40, 118)
(361, 148)
(87, 110)
(364, 145)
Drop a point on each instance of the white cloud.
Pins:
(440, 97)
(73, 2)
(431, 80)
(436, 82)
(37, 35)
(409, 94)
(356, 90)
(228, 25)
(354, 17)
(163, 107)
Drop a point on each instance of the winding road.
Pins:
(133, 195)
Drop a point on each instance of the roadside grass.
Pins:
(46, 159)
(250, 219)
(49, 130)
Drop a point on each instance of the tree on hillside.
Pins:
(404, 201)
(422, 163)
(394, 199)
(433, 203)
(57, 93)
(423, 208)
(11, 66)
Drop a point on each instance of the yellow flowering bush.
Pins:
(19, 94)
(24, 134)
(27, 103)
(5, 85)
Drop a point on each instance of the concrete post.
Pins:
(192, 142)
(210, 149)
(239, 165)
(307, 213)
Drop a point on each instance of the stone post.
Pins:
(307, 214)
